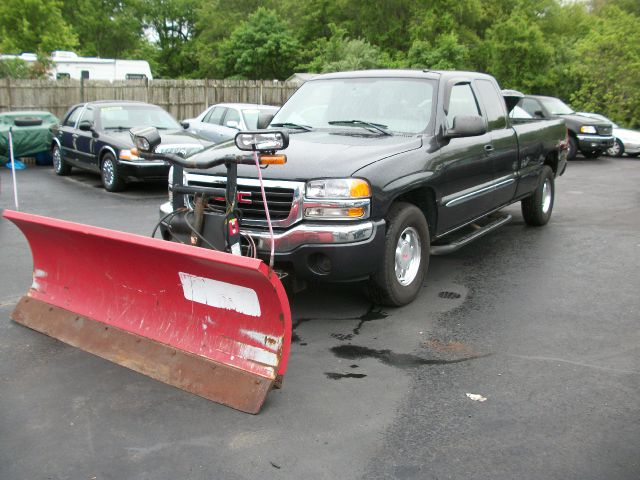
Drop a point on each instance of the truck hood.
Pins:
(583, 120)
(321, 154)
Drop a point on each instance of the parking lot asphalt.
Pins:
(542, 322)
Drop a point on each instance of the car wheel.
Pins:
(592, 154)
(537, 208)
(405, 259)
(617, 149)
(112, 181)
(573, 148)
(60, 166)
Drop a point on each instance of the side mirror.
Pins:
(262, 140)
(232, 124)
(86, 125)
(264, 119)
(467, 126)
(146, 139)
(185, 125)
(538, 114)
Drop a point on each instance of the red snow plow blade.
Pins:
(211, 323)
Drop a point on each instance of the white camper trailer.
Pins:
(70, 65)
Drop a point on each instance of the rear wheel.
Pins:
(59, 165)
(537, 208)
(406, 257)
(111, 178)
(617, 149)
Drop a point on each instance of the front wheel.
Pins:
(617, 149)
(60, 166)
(112, 181)
(406, 257)
(573, 148)
(537, 208)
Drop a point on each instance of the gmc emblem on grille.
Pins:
(244, 197)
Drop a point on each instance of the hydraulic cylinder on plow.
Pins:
(209, 322)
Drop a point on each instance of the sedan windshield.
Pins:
(374, 104)
(556, 106)
(124, 117)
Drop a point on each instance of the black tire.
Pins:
(388, 287)
(60, 166)
(617, 150)
(537, 208)
(112, 181)
(573, 148)
(592, 154)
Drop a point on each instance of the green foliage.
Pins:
(446, 53)
(105, 28)
(34, 26)
(340, 53)
(609, 68)
(259, 48)
(16, 68)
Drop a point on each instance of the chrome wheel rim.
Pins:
(107, 172)
(546, 196)
(57, 161)
(614, 151)
(408, 256)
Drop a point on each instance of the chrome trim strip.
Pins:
(107, 147)
(595, 138)
(142, 163)
(471, 193)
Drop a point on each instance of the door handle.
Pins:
(488, 148)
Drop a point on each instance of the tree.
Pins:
(260, 48)
(446, 53)
(608, 70)
(106, 28)
(340, 53)
(34, 26)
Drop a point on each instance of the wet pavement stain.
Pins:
(339, 376)
(400, 360)
(295, 338)
(374, 313)
(342, 336)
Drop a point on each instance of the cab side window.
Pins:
(461, 102)
(493, 105)
(73, 117)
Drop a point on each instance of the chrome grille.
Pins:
(283, 199)
(604, 129)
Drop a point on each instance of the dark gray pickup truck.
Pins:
(384, 169)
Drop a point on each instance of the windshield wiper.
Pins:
(292, 125)
(117, 128)
(361, 123)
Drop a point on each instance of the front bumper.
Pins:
(591, 143)
(315, 251)
(143, 170)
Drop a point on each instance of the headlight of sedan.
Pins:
(337, 199)
(588, 129)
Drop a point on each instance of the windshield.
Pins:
(128, 116)
(556, 106)
(397, 104)
(251, 116)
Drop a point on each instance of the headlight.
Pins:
(338, 188)
(337, 199)
(588, 129)
(129, 154)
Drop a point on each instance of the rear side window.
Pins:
(530, 106)
(73, 117)
(214, 116)
(493, 104)
(461, 102)
(232, 116)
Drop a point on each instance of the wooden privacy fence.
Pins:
(182, 98)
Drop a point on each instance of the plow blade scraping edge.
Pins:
(214, 324)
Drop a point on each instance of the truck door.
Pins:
(504, 143)
(465, 166)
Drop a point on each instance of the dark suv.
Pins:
(590, 136)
